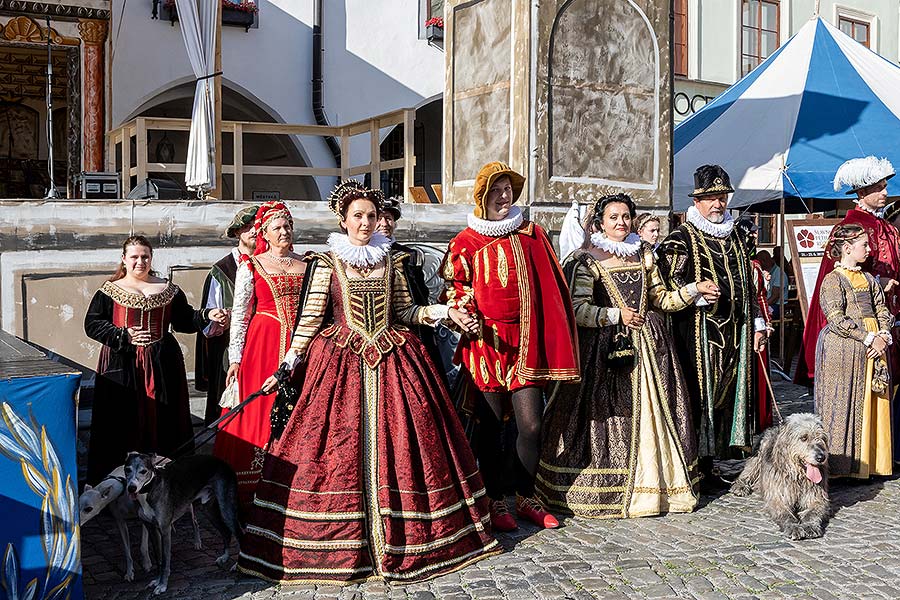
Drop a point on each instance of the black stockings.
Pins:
(528, 405)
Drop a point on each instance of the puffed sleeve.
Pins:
(661, 297)
(312, 311)
(581, 287)
(405, 310)
(834, 305)
(673, 260)
(240, 312)
(98, 324)
(457, 272)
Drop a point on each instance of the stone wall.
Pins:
(55, 254)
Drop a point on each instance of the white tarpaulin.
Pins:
(198, 19)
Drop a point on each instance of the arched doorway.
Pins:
(259, 149)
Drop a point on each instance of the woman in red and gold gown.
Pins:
(373, 476)
(267, 291)
(141, 399)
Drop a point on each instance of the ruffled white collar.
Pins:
(360, 256)
(627, 247)
(497, 228)
(719, 230)
(840, 266)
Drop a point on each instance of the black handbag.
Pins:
(621, 355)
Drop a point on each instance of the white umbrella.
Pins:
(198, 19)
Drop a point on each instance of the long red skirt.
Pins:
(373, 477)
(241, 442)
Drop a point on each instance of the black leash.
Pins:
(212, 428)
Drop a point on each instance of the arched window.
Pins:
(603, 98)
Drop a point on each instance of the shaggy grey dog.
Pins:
(790, 470)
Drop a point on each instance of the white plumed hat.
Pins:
(861, 172)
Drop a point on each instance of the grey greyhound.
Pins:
(164, 493)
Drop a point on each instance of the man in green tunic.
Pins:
(210, 361)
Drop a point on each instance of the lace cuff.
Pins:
(240, 312)
(433, 314)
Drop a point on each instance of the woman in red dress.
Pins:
(373, 476)
(141, 397)
(266, 293)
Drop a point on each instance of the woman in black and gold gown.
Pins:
(621, 443)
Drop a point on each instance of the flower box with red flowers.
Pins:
(434, 29)
(239, 14)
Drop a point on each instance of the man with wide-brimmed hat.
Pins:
(502, 269)
(715, 338)
(866, 179)
(210, 364)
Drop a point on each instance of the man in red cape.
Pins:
(502, 269)
(867, 178)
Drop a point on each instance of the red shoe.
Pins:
(501, 520)
(532, 510)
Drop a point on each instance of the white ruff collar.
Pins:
(719, 230)
(627, 247)
(360, 256)
(497, 228)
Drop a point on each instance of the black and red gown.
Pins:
(373, 476)
(262, 320)
(141, 399)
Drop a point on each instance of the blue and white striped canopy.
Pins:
(785, 128)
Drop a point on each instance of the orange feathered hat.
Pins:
(486, 177)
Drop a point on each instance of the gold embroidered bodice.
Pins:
(367, 311)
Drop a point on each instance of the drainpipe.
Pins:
(318, 102)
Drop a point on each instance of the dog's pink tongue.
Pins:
(813, 473)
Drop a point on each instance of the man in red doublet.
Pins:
(502, 269)
(867, 178)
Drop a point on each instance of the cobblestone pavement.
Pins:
(726, 549)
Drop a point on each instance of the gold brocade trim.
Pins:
(579, 488)
(285, 321)
(437, 514)
(459, 562)
(370, 466)
(309, 516)
(465, 265)
(428, 492)
(502, 266)
(491, 549)
(498, 371)
(301, 491)
(440, 542)
(486, 257)
(296, 571)
(586, 471)
(496, 341)
(572, 505)
(302, 544)
(139, 301)
(485, 374)
(663, 491)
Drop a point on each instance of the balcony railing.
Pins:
(137, 129)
